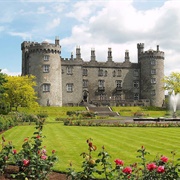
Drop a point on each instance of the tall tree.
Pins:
(172, 82)
(20, 91)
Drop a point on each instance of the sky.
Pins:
(98, 24)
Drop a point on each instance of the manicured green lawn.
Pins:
(70, 141)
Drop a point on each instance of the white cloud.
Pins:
(6, 71)
(119, 25)
(24, 35)
(53, 24)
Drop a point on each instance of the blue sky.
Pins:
(99, 24)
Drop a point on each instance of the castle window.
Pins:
(101, 83)
(69, 87)
(85, 83)
(136, 96)
(136, 84)
(118, 83)
(46, 68)
(153, 92)
(114, 73)
(119, 73)
(136, 72)
(46, 57)
(105, 73)
(153, 71)
(153, 80)
(153, 62)
(100, 72)
(85, 72)
(46, 87)
(69, 70)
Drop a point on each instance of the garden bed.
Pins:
(14, 169)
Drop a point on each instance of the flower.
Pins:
(127, 170)
(151, 166)
(14, 151)
(44, 157)
(38, 136)
(119, 162)
(164, 159)
(90, 144)
(26, 139)
(26, 162)
(43, 151)
(53, 151)
(160, 169)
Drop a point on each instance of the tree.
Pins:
(2, 81)
(20, 91)
(172, 82)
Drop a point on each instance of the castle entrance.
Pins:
(85, 96)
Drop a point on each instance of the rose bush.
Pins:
(33, 160)
(159, 169)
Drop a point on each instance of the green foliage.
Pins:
(6, 122)
(4, 154)
(20, 91)
(172, 82)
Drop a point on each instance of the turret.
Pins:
(151, 74)
(43, 61)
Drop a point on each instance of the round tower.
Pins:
(43, 61)
(151, 76)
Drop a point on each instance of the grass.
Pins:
(70, 141)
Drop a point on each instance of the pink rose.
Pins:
(160, 169)
(127, 170)
(119, 162)
(44, 157)
(164, 159)
(151, 166)
(43, 151)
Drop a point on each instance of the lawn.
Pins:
(70, 141)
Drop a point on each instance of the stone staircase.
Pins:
(102, 111)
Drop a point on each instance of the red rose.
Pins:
(127, 170)
(119, 162)
(38, 136)
(164, 159)
(26, 162)
(90, 144)
(14, 151)
(160, 169)
(151, 166)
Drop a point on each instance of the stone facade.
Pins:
(62, 82)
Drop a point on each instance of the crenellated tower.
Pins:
(43, 61)
(151, 75)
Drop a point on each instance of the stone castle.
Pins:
(70, 82)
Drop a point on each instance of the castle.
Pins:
(69, 82)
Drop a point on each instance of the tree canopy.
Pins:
(20, 91)
(172, 82)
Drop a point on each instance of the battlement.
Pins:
(152, 54)
(41, 47)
